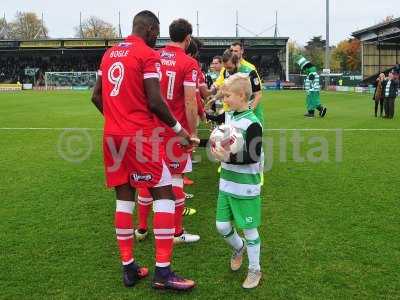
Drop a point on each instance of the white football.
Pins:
(227, 137)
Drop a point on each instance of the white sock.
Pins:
(253, 248)
(230, 235)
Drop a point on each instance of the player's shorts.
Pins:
(246, 213)
(178, 159)
(145, 198)
(140, 163)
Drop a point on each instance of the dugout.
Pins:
(270, 55)
(380, 48)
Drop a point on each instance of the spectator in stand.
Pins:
(390, 90)
(379, 95)
(13, 68)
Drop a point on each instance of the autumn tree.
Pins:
(27, 26)
(294, 52)
(314, 51)
(334, 63)
(348, 54)
(4, 29)
(95, 27)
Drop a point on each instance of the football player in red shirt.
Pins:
(202, 91)
(179, 75)
(128, 94)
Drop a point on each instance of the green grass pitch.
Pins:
(331, 229)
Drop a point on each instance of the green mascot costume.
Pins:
(312, 88)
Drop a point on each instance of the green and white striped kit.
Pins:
(302, 62)
(387, 90)
(312, 85)
(241, 181)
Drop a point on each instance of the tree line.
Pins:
(344, 57)
(28, 26)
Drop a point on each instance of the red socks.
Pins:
(124, 230)
(163, 224)
(177, 188)
(145, 202)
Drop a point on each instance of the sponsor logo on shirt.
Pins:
(124, 44)
(168, 58)
(168, 55)
(174, 165)
(141, 177)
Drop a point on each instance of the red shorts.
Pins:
(138, 162)
(177, 157)
(144, 194)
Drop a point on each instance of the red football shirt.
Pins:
(177, 71)
(123, 70)
(201, 81)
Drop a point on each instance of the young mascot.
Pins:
(240, 180)
(312, 87)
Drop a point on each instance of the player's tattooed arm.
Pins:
(96, 96)
(191, 108)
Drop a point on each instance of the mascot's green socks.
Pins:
(312, 87)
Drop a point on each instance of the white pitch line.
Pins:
(332, 129)
(202, 129)
(325, 129)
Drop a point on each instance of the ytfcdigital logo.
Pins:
(303, 146)
(75, 145)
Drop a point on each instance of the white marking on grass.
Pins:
(333, 129)
(326, 129)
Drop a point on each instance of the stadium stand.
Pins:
(76, 55)
(380, 48)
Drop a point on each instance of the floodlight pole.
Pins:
(158, 17)
(119, 25)
(80, 25)
(327, 54)
(237, 24)
(197, 23)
